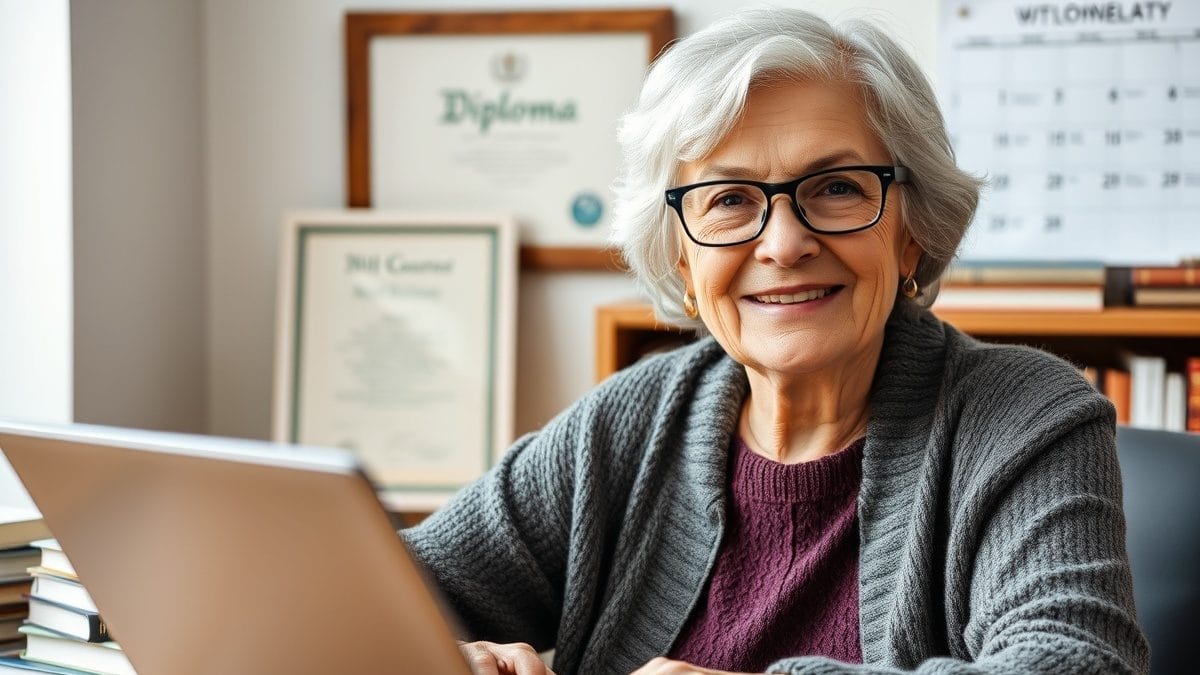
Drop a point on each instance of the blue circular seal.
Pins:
(586, 209)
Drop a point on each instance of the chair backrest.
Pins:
(1160, 471)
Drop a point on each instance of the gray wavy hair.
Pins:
(696, 92)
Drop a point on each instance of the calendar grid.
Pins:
(1090, 139)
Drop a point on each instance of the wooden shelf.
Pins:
(1117, 321)
(625, 331)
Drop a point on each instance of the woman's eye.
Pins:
(729, 199)
(841, 189)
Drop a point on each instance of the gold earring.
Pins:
(689, 306)
(909, 288)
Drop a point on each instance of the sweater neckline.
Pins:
(762, 479)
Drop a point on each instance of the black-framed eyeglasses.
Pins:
(840, 200)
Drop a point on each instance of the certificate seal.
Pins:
(586, 209)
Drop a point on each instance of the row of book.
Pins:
(64, 633)
(1149, 396)
(19, 528)
(48, 622)
(1155, 286)
(1079, 285)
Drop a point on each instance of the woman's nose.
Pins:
(785, 240)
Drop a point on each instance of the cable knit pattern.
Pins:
(991, 537)
(786, 579)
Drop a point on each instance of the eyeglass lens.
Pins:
(725, 213)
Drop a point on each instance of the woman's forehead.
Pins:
(790, 128)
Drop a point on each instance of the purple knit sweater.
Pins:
(786, 577)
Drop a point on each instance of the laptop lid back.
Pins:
(214, 556)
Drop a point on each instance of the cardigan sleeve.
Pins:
(517, 549)
(1050, 590)
(497, 550)
(547, 547)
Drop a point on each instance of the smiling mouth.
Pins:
(797, 298)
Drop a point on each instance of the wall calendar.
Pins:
(1085, 119)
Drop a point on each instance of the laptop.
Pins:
(209, 555)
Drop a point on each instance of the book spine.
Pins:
(48, 615)
(1175, 403)
(1116, 388)
(1118, 288)
(1147, 376)
(1006, 276)
(97, 629)
(1025, 298)
(1166, 276)
(1166, 296)
(1193, 394)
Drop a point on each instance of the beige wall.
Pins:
(139, 255)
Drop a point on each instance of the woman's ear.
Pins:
(685, 271)
(910, 256)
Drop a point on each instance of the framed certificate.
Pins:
(511, 111)
(396, 341)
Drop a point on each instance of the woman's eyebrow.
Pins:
(736, 172)
(846, 157)
(719, 171)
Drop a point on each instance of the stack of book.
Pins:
(1165, 286)
(1146, 395)
(1058, 286)
(64, 631)
(18, 528)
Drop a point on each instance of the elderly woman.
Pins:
(834, 481)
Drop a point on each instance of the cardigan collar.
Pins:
(903, 400)
(904, 391)
(902, 428)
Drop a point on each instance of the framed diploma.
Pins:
(511, 112)
(396, 341)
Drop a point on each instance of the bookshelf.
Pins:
(625, 331)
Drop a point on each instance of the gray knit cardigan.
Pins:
(991, 532)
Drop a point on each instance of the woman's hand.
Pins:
(665, 666)
(490, 658)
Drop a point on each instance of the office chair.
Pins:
(1160, 471)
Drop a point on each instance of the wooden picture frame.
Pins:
(471, 30)
(396, 340)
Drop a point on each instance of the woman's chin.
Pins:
(787, 360)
